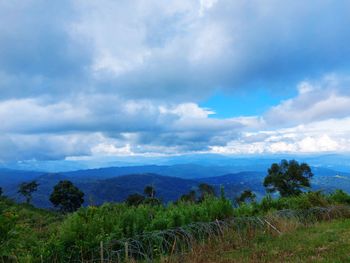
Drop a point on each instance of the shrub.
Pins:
(80, 234)
(339, 197)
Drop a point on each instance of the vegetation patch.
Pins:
(143, 228)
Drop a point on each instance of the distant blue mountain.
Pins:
(171, 181)
(338, 162)
(10, 177)
(188, 171)
(115, 189)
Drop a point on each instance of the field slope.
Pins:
(322, 242)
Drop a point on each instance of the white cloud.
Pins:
(317, 137)
(320, 100)
(124, 77)
(179, 50)
(316, 120)
(305, 87)
(205, 5)
(114, 126)
(105, 149)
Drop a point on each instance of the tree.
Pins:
(152, 201)
(135, 199)
(205, 190)
(26, 189)
(67, 197)
(246, 195)
(288, 178)
(1, 192)
(190, 197)
(149, 191)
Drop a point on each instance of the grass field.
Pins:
(199, 232)
(322, 242)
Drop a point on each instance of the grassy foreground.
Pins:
(322, 242)
(155, 232)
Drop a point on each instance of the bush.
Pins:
(29, 233)
(80, 234)
(23, 231)
(339, 197)
(269, 204)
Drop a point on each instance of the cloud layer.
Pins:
(126, 77)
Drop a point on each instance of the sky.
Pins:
(124, 78)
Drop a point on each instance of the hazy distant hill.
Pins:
(119, 188)
(329, 180)
(338, 162)
(115, 189)
(241, 177)
(11, 178)
(235, 183)
(171, 181)
(187, 171)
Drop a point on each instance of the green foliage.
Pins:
(246, 196)
(321, 242)
(288, 178)
(269, 204)
(81, 233)
(67, 197)
(8, 232)
(134, 199)
(149, 191)
(205, 191)
(26, 189)
(150, 199)
(340, 197)
(189, 198)
(29, 233)
(24, 231)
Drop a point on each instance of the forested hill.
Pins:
(116, 183)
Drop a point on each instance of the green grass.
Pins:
(28, 234)
(323, 242)
(24, 230)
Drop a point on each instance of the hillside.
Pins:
(235, 183)
(115, 189)
(323, 242)
(119, 188)
(10, 178)
(186, 171)
(208, 231)
(116, 183)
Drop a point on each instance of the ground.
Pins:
(322, 242)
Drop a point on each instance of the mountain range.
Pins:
(338, 162)
(114, 184)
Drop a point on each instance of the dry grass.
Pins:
(243, 240)
(322, 242)
(212, 250)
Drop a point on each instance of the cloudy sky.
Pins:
(104, 78)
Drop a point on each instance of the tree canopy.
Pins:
(205, 190)
(288, 178)
(246, 195)
(66, 196)
(26, 189)
(135, 199)
(190, 197)
(149, 191)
